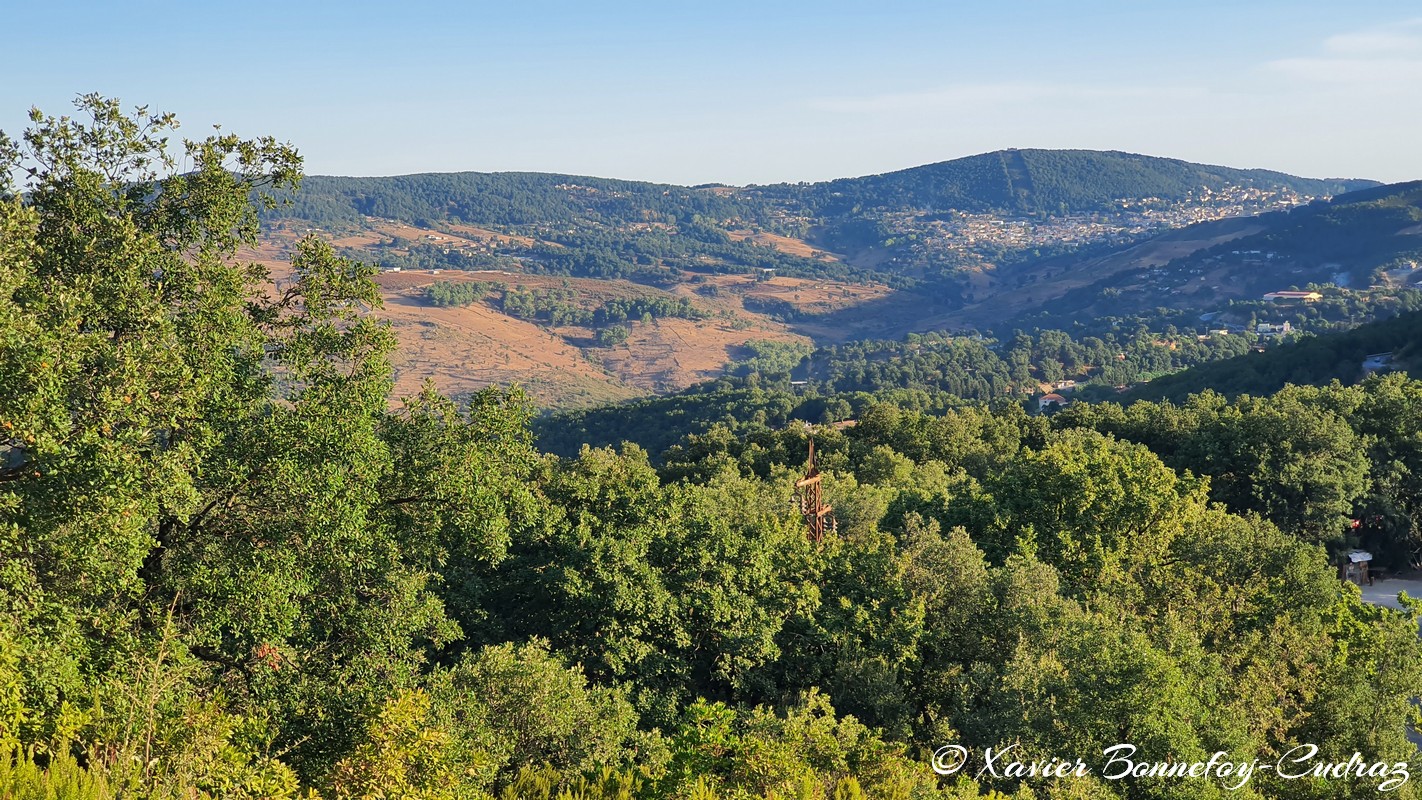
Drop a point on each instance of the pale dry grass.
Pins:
(785, 244)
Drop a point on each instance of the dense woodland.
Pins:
(586, 227)
(1039, 181)
(653, 256)
(561, 306)
(779, 383)
(596, 227)
(1032, 181)
(230, 568)
(504, 198)
(1315, 360)
(1356, 247)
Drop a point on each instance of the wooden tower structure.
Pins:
(819, 517)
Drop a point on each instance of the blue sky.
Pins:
(744, 92)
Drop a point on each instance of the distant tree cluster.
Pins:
(776, 383)
(1311, 360)
(502, 198)
(459, 293)
(613, 336)
(564, 306)
(636, 308)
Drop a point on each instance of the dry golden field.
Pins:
(785, 244)
(463, 349)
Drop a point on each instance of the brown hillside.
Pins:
(785, 244)
(466, 349)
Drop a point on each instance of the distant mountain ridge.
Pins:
(1048, 181)
(901, 228)
(1012, 181)
(501, 198)
(1084, 241)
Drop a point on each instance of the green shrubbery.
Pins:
(451, 293)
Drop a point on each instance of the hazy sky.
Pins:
(743, 92)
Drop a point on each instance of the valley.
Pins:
(1078, 241)
(753, 451)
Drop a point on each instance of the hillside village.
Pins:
(976, 238)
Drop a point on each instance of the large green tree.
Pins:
(201, 471)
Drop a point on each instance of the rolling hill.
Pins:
(1029, 238)
(504, 198)
(903, 228)
(1044, 182)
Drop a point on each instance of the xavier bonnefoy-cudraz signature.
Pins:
(1123, 762)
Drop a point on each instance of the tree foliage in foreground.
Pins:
(229, 568)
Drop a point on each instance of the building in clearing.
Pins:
(1355, 567)
(1307, 297)
(1047, 400)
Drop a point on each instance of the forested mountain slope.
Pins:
(1035, 181)
(884, 224)
(1314, 360)
(969, 243)
(505, 198)
(1012, 181)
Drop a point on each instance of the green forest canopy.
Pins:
(600, 227)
